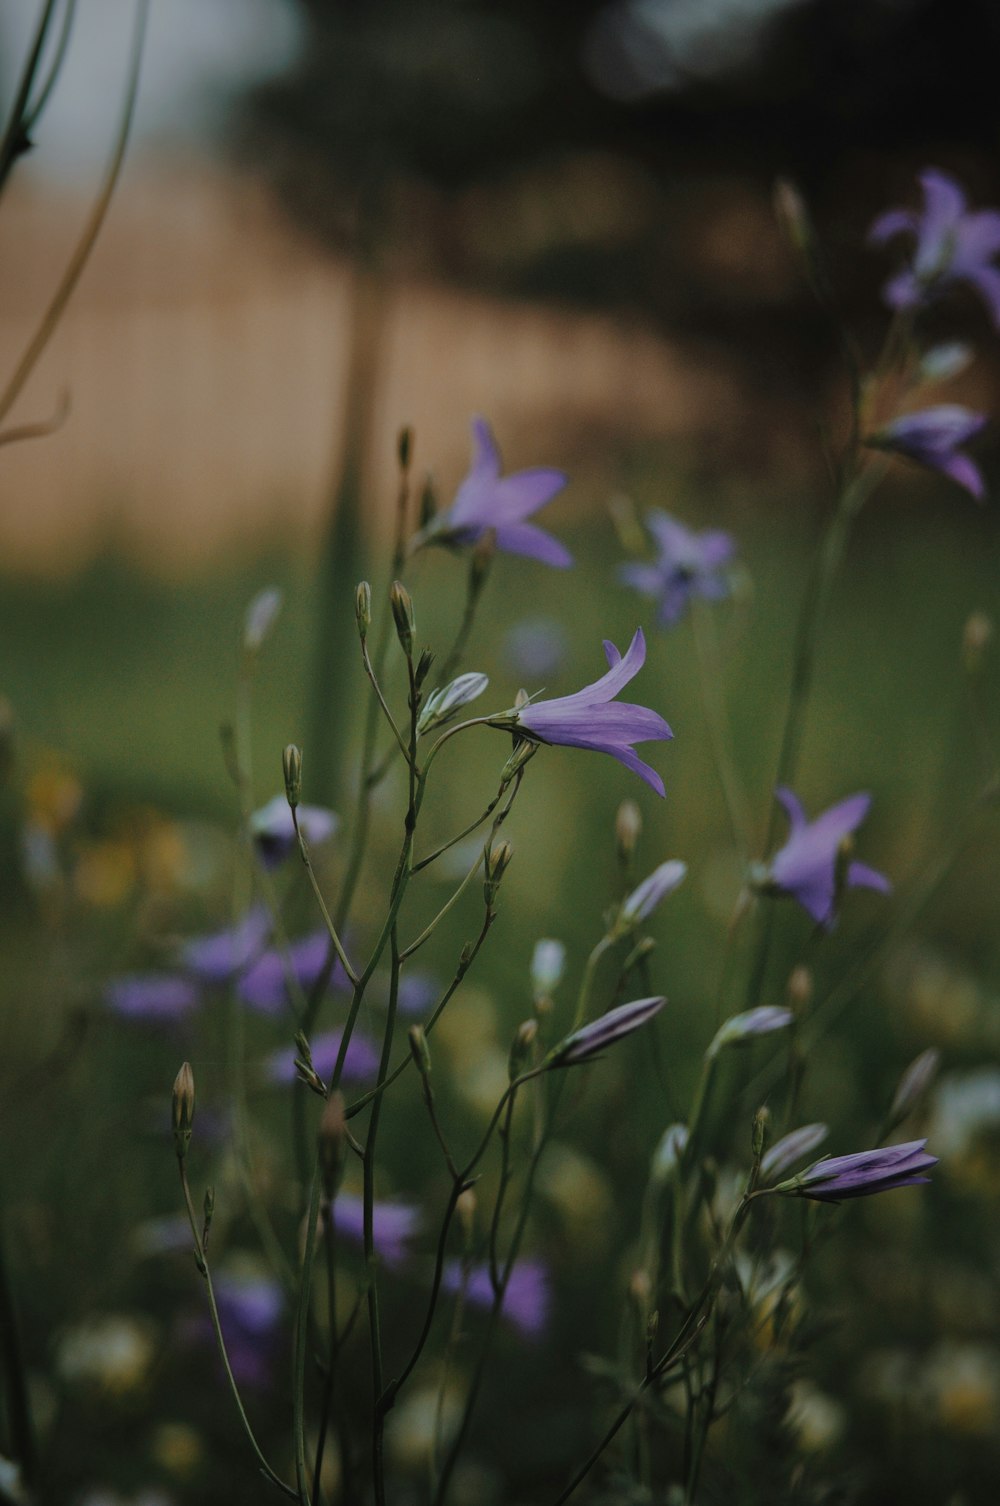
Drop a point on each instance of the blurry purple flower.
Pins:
(417, 992)
(536, 648)
(250, 1310)
(605, 1030)
(526, 1300)
(689, 564)
(865, 1172)
(933, 438)
(215, 958)
(160, 997)
(644, 899)
(592, 718)
(914, 1085)
(807, 866)
(487, 501)
(953, 244)
(791, 1148)
(741, 1028)
(394, 1225)
(360, 1061)
(264, 986)
(273, 829)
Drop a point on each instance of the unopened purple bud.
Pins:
(913, 1085)
(742, 1028)
(644, 900)
(182, 1109)
(402, 614)
(605, 1030)
(260, 617)
(441, 705)
(861, 1174)
(547, 964)
(791, 1148)
(291, 764)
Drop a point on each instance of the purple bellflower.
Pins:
(953, 244)
(861, 1174)
(689, 564)
(394, 1225)
(592, 718)
(809, 866)
(526, 1300)
(160, 998)
(264, 986)
(215, 958)
(250, 1311)
(604, 1031)
(933, 438)
(273, 829)
(487, 502)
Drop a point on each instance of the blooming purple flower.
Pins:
(159, 997)
(953, 244)
(604, 1031)
(592, 718)
(273, 829)
(486, 502)
(526, 1300)
(933, 438)
(688, 564)
(215, 958)
(264, 986)
(807, 866)
(394, 1225)
(360, 1060)
(859, 1175)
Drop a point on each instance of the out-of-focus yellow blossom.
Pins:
(421, 1418)
(962, 1385)
(815, 1418)
(53, 796)
(579, 1190)
(113, 1352)
(177, 1448)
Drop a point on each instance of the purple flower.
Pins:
(741, 1028)
(859, 1175)
(487, 501)
(791, 1148)
(273, 829)
(807, 867)
(604, 1031)
(394, 1225)
(360, 1061)
(592, 718)
(160, 997)
(536, 647)
(215, 958)
(265, 985)
(250, 1310)
(953, 244)
(526, 1300)
(933, 438)
(688, 564)
(644, 899)
(418, 990)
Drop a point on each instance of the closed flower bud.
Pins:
(404, 447)
(793, 217)
(548, 961)
(628, 830)
(442, 705)
(523, 751)
(913, 1086)
(742, 1029)
(466, 1210)
(363, 609)
(521, 700)
(291, 763)
(465, 959)
(182, 1109)
(758, 1135)
(423, 668)
(521, 1048)
(332, 1143)
(402, 614)
(260, 618)
(497, 861)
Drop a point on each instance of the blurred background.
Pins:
(338, 218)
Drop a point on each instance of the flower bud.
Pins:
(182, 1109)
(913, 1086)
(800, 989)
(497, 861)
(523, 750)
(742, 1029)
(628, 830)
(793, 217)
(291, 763)
(260, 618)
(669, 1153)
(363, 609)
(442, 705)
(758, 1135)
(332, 1143)
(428, 502)
(423, 669)
(522, 699)
(402, 613)
(548, 962)
(404, 447)
(466, 1210)
(521, 1047)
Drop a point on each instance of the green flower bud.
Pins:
(291, 763)
(402, 612)
(521, 1048)
(363, 609)
(182, 1109)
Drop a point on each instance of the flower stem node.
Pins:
(402, 614)
(182, 1109)
(291, 764)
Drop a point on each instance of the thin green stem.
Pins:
(335, 940)
(12, 141)
(720, 732)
